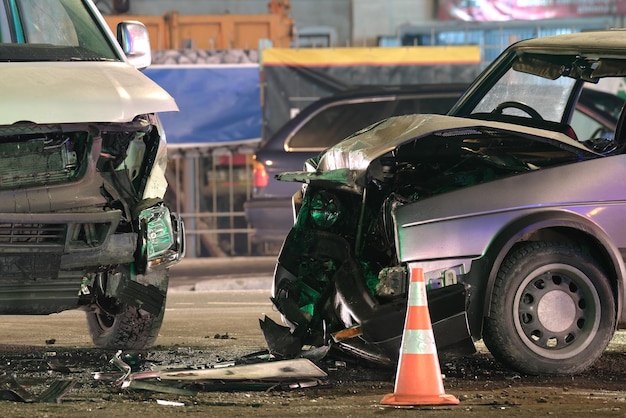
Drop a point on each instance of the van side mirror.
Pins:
(133, 37)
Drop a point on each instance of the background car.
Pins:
(511, 206)
(317, 127)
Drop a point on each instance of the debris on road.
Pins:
(281, 342)
(273, 370)
(11, 390)
(253, 372)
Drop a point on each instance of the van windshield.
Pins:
(52, 30)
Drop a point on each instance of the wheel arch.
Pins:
(554, 226)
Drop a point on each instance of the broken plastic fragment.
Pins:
(280, 341)
(348, 333)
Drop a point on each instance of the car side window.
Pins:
(587, 127)
(336, 123)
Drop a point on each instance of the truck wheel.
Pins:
(552, 310)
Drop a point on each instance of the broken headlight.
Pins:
(162, 243)
(325, 209)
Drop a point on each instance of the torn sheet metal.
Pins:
(120, 364)
(264, 374)
(159, 387)
(11, 390)
(273, 370)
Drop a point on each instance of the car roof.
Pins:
(608, 43)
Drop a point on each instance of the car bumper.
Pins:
(349, 303)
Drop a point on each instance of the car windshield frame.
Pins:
(550, 98)
(516, 76)
(52, 30)
(548, 80)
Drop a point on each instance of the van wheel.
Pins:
(552, 310)
(118, 325)
(131, 328)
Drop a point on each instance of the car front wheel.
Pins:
(552, 310)
(132, 328)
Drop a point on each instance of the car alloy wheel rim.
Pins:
(556, 311)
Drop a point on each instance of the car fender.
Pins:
(483, 240)
(572, 225)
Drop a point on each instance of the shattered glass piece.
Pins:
(10, 395)
(325, 209)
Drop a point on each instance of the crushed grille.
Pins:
(31, 234)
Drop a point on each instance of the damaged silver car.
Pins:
(512, 204)
(83, 224)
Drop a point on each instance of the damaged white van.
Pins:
(82, 172)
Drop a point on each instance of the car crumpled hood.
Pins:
(75, 92)
(348, 161)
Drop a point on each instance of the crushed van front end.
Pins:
(82, 218)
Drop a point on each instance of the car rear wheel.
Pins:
(552, 310)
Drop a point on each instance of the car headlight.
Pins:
(325, 209)
(161, 242)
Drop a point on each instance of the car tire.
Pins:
(552, 310)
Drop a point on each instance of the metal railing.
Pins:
(208, 185)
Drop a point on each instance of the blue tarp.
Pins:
(218, 103)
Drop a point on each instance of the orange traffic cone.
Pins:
(418, 378)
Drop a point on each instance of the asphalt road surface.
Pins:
(210, 327)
